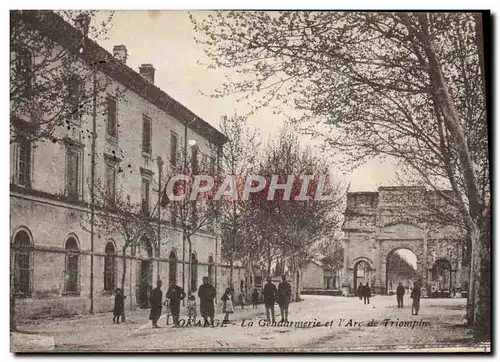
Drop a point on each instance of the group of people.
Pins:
(206, 293)
(174, 295)
(415, 296)
(282, 295)
(364, 292)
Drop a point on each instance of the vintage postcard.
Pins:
(250, 181)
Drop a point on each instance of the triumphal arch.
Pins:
(413, 219)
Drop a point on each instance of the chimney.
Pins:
(148, 72)
(82, 23)
(120, 53)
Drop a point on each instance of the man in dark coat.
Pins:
(415, 295)
(284, 296)
(360, 291)
(400, 292)
(206, 293)
(119, 307)
(367, 293)
(175, 294)
(270, 293)
(155, 301)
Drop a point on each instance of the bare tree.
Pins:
(191, 214)
(50, 85)
(383, 84)
(118, 216)
(237, 159)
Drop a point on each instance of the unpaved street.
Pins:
(319, 322)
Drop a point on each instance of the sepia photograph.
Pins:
(250, 181)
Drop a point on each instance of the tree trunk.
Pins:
(124, 269)
(231, 270)
(480, 256)
(482, 286)
(478, 19)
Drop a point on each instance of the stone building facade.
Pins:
(51, 247)
(393, 218)
(315, 276)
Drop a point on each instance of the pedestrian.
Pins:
(168, 312)
(284, 296)
(367, 293)
(415, 295)
(270, 293)
(175, 294)
(255, 298)
(241, 298)
(119, 307)
(227, 307)
(360, 291)
(400, 292)
(206, 293)
(191, 308)
(155, 301)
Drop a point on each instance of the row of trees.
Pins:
(259, 232)
(406, 85)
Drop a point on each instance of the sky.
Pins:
(165, 39)
(409, 256)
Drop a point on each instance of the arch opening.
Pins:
(109, 267)
(72, 269)
(172, 267)
(401, 268)
(363, 274)
(441, 282)
(23, 264)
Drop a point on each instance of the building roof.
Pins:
(63, 33)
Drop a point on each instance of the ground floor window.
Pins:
(22, 265)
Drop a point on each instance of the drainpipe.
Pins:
(160, 170)
(92, 184)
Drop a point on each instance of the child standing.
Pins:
(119, 308)
(255, 298)
(227, 307)
(191, 308)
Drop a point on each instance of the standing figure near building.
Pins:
(241, 299)
(227, 307)
(191, 308)
(400, 292)
(367, 293)
(415, 295)
(175, 294)
(155, 301)
(119, 307)
(206, 293)
(284, 296)
(255, 298)
(360, 291)
(270, 294)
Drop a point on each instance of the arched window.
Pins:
(23, 265)
(172, 267)
(109, 267)
(194, 273)
(72, 270)
(211, 270)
